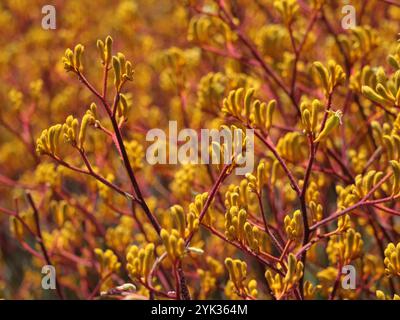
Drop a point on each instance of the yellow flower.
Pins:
(392, 260)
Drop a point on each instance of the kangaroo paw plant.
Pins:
(101, 122)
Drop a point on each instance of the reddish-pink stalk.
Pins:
(362, 202)
(120, 145)
(41, 243)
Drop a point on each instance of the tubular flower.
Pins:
(123, 107)
(209, 278)
(394, 59)
(105, 50)
(211, 90)
(287, 9)
(272, 40)
(391, 144)
(119, 237)
(332, 123)
(392, 260)
(351, 194)
(16, 98)
(240, 195)
(71, 130)
(292, 146)
(62, 211)
(385, 90)
(183, 180)
(294, 226)
(345, 248)
(229, 154)
(108, 261)
(49, 174)
(64, 238)
(239, 104)
(396, 177)
(213, 30)
(313, 201)
(88, 119)
(256, 183)
(361, 39)
(123, 70)
(186, 224)
(234, 223)
(135, 153)
(310, 115)
(262, 114)
(343, 223)
(309, 291)
(237, 270)
(381, 296)
(330, 76)
(195, 209)
(234, 103)
(49, 141)
(18, 227)
(75, 134)
(208, 282)
(175, 64)
(238, 228)
(72, 60)
(282, 285)
(358, 159)
(140, 261)
(104, 191)
(174, 244)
